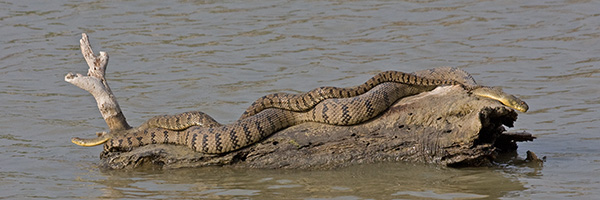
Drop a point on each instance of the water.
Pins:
(218, 57)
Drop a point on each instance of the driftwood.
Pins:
(96, 84)
(446, 126)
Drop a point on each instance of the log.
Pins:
(446, 126)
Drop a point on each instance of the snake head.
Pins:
(517, 104)
(497, 94)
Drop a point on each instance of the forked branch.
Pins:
(96, 84)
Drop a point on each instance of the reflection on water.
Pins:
(171, 57)
(378, 181)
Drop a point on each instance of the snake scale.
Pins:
(271, 113)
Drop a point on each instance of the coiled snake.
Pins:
(271, 113)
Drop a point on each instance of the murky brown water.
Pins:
(170, 57)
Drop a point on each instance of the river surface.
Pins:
(168, 57)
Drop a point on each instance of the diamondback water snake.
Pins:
(306, 101)
(349, 106)
(437, 76)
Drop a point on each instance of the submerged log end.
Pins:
(446, 126)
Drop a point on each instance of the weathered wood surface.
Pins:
(446, 126)
(96, 84)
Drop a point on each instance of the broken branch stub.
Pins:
(96, 84)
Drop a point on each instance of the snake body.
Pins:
(321, 105)
(171, 122)
(306, 101)
(271, 113)
(230, 137)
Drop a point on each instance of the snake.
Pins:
(305, 101)
(171, 122)
(271, 113)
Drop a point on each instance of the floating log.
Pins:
(446, 126)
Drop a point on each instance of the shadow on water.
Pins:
(377, 181)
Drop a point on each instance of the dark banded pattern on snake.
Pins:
(180, 121)
(294, 102)
(306, 101)
(226, 138)
(187, 119)
(443, 76)
(297, 102)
